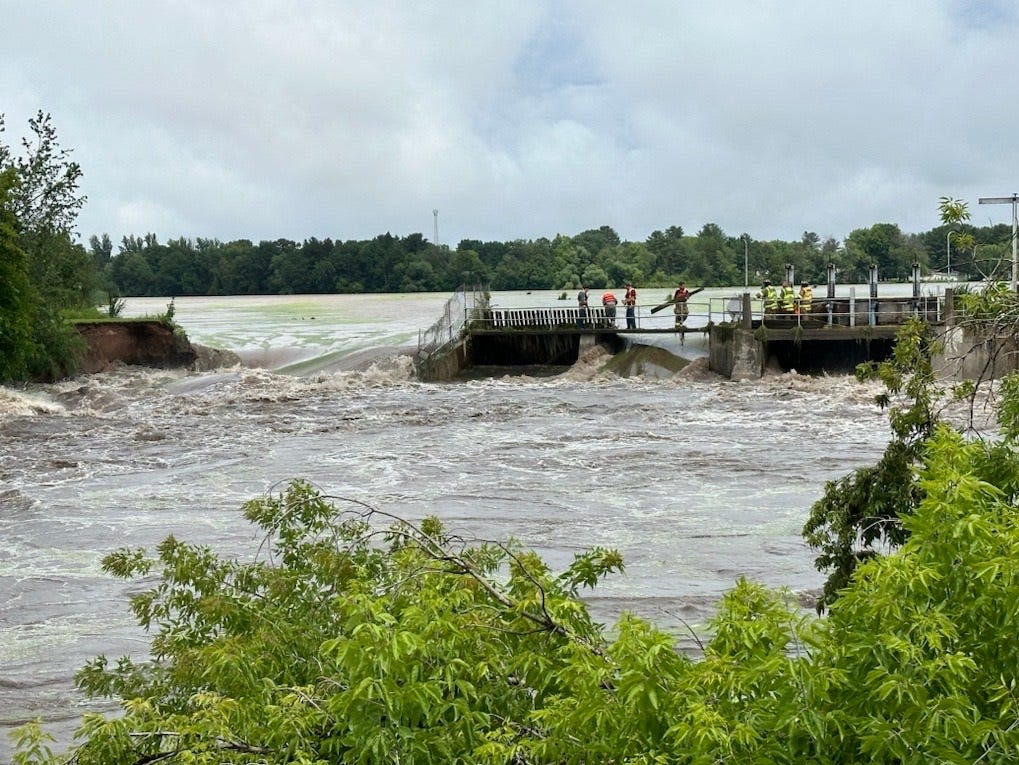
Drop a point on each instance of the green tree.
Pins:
(41, 207)
(45, 203)
(863, 513)
(913, 664)
(131, 273)
(17, 295)
(884, 245)
(101, 249)
(242, 269)
(466, 267)
(46, 197)
(669, 250)
(597, 239)
(710, 254)
(350, 643)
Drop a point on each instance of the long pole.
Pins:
(948, 241)
(1015, 225)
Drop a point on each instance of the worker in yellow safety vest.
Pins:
(788, 297)
(769, 295)
(806, 297)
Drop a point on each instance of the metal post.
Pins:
(916, 288)
(746, 262)
(873, 294)
(831, 290)
(948, 248)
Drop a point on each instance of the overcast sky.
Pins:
(351, 118)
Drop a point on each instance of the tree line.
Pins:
(597, 258)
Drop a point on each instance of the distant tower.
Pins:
(435, 239)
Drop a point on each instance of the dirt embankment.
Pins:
(144, 343)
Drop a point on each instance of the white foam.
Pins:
(15, 403)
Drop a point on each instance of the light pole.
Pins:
(948, 246)
(746, 262)
(1013, 200)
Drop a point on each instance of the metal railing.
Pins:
(466, 304)
(469, 309)
(840, 311)
(577, 318)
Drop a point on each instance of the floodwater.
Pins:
(697, 480)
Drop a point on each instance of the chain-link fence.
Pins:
(467, 303)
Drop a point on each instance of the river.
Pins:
(695, 479)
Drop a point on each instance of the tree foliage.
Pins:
(596, 257)
(39, 204)
(18, 299)
(861, 514)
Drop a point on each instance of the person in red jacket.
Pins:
(679, 299)
(630, 301)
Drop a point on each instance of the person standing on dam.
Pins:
(630, 301)
(582, 307)
(680, 307)
(608, 301)
(769, 295)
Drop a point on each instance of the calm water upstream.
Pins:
(696, 480)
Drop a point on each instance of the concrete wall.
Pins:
(968, 354)
(443, 366)
(735, 352)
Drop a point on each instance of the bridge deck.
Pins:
(837, 319)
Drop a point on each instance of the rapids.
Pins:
(695, 479)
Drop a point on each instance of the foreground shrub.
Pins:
(356, 637)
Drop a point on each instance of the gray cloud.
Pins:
(268, 119)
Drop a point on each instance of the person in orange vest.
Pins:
(805, 299)
(679, 299)
(609, 301)
(630, 301)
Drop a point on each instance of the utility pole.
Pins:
(1012, 200)
(435, 239)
